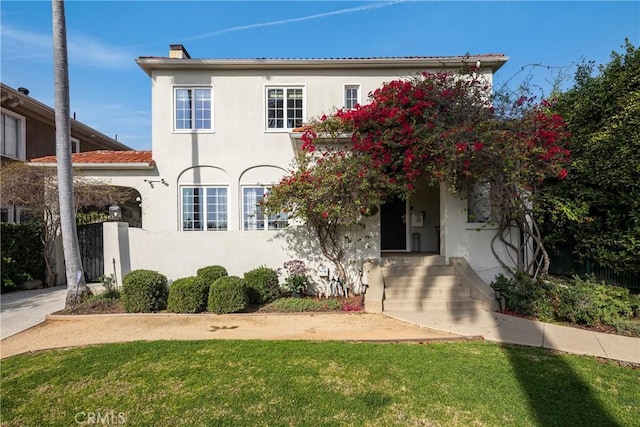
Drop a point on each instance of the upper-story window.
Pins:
(193, 108)
(252, 216)
(204, 208)
(285, 107)
(13, 135)
(351, 96)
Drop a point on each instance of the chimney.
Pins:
(177, 51)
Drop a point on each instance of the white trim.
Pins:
(76, 148)
(21, 148)
(344, 93)
(265, 107)
(205, 187)
(174, 88)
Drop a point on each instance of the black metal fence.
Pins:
(567, 265)
(91, 244)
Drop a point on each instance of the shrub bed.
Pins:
(188, 295)
(144, 291)
(228, 295)
(301, 305)
(581, 301)
(262, 285)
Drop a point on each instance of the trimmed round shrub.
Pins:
(188, 295)
(211, 273)
(144, 291)
(262, 285)
(228, 295)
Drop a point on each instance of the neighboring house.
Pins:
(223, 132)
(28, 132)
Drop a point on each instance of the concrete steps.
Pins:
(424, 283)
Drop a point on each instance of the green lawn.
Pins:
(283, 383)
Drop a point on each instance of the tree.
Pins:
(77, 289)
(331, 193)
(595, 212)
(35, 188)
(442, 127)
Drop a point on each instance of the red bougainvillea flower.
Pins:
(562, 174)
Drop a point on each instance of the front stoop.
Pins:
(426, 282)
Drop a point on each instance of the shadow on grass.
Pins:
(557, 395)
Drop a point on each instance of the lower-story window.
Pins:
(204, 208)
(252, 216)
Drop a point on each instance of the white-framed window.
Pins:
(479, 202)
(15, 214)
(351, 96)
(193, 108)
(13, 136)
(252, 216)
(285, 107)
(75, 145)
(204, 208)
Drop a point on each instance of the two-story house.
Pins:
(223, 132)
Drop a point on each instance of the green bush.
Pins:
(144, 291)
(211, 273)
(299, 305)
(188, 295)
(22, 251)
(588, 302)
(228, 295)
(525, 296)
(262, 285)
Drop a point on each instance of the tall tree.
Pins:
(595, 212)
(77, 289)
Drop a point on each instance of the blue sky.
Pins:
(112, 94)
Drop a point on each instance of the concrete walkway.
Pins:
(514, 330)
(21, 310)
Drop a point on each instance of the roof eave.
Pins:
(148, 64)
(113, 166)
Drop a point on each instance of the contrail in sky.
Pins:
(300, 19)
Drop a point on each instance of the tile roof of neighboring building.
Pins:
(104, 157)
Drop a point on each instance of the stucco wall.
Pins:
(469, 240)
(177, 254)
(241, 151)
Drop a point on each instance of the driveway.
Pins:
(21, 310)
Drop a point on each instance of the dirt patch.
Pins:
(80, 330)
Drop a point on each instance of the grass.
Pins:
(284, 383)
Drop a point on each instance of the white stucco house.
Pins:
(222, 132)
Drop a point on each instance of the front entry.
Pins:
(393, 227)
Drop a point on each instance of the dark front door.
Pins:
(393, 228)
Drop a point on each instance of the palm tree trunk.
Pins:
(77, 289)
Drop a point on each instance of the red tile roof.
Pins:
(104, 157)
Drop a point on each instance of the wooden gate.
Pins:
(91, 244)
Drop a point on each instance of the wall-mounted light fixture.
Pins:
(161, 181)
